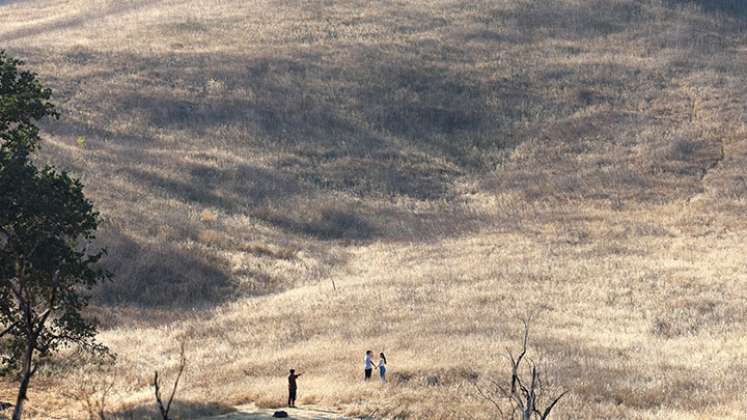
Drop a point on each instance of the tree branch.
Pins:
(52, 301)
(7, 330)
(159, 400)
(182, 365)
(486, 397)
(552, 405)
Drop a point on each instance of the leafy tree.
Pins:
(46, 227)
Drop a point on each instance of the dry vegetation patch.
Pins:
(290, 183)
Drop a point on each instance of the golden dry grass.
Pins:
(449, 165)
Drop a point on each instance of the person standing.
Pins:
(292, 387)
(382, 367)
(368, 365)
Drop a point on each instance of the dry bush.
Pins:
(93, 392)
(208, 216)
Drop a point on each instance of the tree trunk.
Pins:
(525, 415)
(25, 380)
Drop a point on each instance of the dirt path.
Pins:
(251, 412)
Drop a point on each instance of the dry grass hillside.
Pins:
(288, 183)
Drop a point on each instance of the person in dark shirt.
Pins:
(292, 387)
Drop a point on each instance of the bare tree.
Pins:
(165, 408)
(524, 396)
(93, 396)
(92, 383)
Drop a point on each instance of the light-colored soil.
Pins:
(251, 412)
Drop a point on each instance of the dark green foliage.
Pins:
(46, 224)
(23, 101)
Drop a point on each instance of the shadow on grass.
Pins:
(232, 188)
(363, 101)
(381, 104)
(162, 276)
(385, 120)
(70, 21)
(730, 8)
(265, 194)
(324, 224)
(588, 20)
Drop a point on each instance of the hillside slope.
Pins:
(449, 165)
(218, 136)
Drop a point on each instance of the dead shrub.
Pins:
(208, 216)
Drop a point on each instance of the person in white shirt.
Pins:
(382, 367)
(368, 365)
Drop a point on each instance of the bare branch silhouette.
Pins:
(523, 396)
(164, 409)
